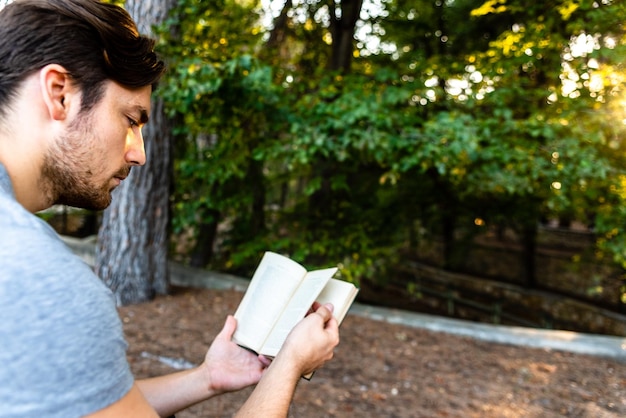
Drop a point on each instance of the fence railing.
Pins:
(455, 300)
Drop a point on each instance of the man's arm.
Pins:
(228, 367)
(308, 347)
(133, 404)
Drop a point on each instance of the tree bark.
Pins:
(342, 30)
(277, 34)
(324, 203)
(207, 233)
(529, 250)
(131, 255)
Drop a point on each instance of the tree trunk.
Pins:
(324, 203)
(342, 30)
(449, 220)
(279, 29)
(207, 233)
(529, 250)
(131, 256)
(256, 179)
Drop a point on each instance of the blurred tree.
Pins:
(132, 250)
(228, 107)
(348, 129)
(505, 64)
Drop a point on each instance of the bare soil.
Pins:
(384, 370)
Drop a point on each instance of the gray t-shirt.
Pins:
(62, 349)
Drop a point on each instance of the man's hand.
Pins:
(229, 367)
(226, 367)
(311, 343)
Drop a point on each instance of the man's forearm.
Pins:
(173, 392)
(273, 394)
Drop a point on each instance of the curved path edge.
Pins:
(596, 345)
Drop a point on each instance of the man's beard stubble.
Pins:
(66, 186)
(66, 176)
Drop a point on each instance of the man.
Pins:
(75, 86)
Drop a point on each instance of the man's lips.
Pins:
(121, 175)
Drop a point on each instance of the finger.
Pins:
(325, 311)
(265, 361)
(313, 308)
(230, 325)
(332, 325)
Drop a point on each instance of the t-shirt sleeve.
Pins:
(63, 351)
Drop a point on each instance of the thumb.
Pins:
(228, 329)
(325, 311)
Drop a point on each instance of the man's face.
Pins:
(97, 150)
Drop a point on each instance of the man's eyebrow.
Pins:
(143, 115)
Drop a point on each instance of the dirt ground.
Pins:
(383, 370)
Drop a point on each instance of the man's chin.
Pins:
(95, 203)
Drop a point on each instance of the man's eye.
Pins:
(133, 122)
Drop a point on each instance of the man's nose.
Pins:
(135, 151)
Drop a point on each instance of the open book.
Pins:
(280, 294)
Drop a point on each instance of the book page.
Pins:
(297, 308)
(341, 294)
(272, 286)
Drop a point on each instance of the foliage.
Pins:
(466, 113)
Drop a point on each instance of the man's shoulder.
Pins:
(21, 228)
(62, 336)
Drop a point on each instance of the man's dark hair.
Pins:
(94, 41)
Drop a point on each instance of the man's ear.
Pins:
(57, 90)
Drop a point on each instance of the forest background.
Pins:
(351, 131)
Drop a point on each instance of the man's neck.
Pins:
(24, 133)
(25, 183)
